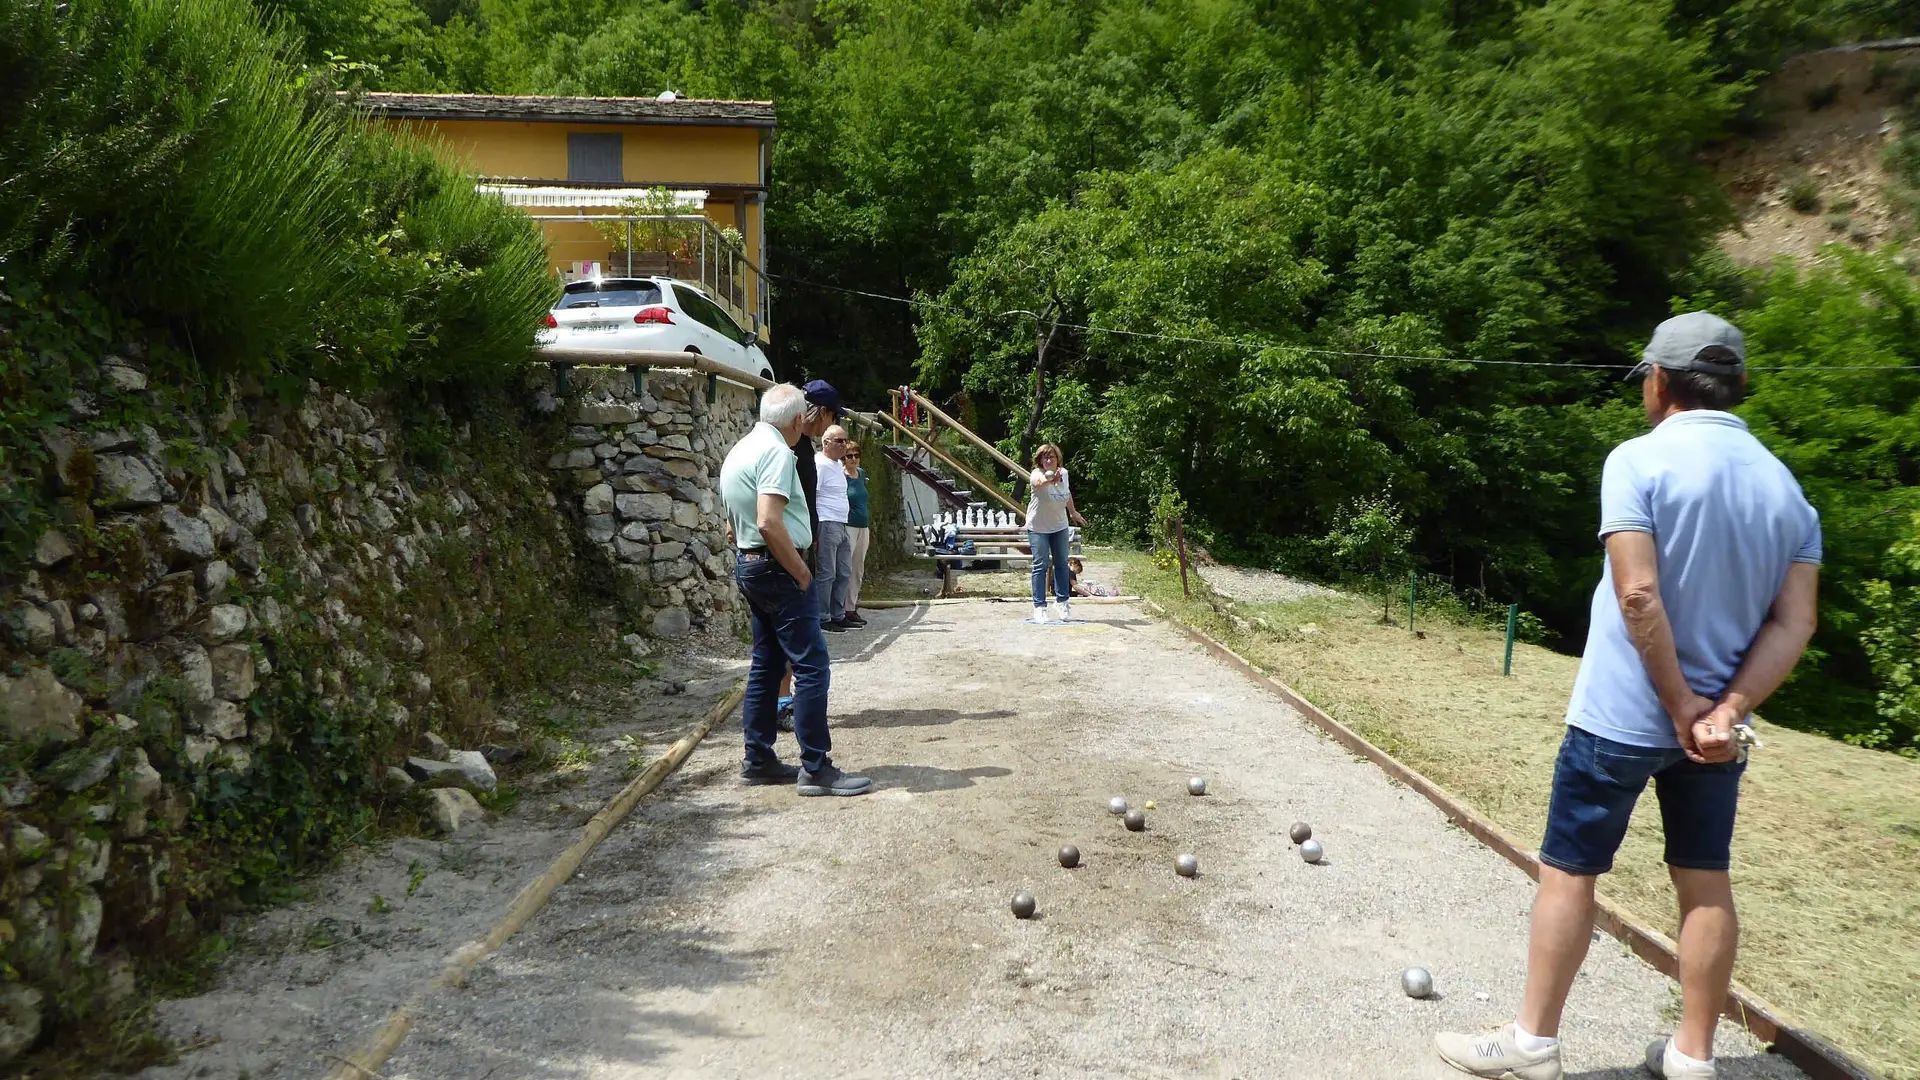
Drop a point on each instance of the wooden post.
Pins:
(1412, 579)
(1513, 617)
(1180, 542)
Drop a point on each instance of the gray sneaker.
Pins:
(1659, 1065)
(831, 781)
(1496, 1055)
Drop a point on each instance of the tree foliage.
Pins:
(1270, 232)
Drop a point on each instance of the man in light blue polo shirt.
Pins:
(1705, 606)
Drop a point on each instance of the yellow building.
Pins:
(663, 185)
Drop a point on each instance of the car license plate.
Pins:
(595, 327)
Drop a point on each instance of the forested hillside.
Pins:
(1281, 216)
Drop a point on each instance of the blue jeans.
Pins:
(786, 630)
(1596, 781)
(833, 569)
(1052, 546)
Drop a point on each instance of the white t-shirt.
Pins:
(1047, 510)
(830, 488)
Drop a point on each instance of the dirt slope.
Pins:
(1836, 147)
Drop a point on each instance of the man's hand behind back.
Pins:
(1713, 736)
(1687, 717)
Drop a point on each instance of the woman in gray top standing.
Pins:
(1048, 514)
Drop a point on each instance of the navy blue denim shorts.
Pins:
(1596, 781)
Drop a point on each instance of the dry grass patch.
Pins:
(1826, 858)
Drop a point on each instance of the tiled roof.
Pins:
(587, 110)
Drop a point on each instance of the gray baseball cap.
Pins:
(1678, 343)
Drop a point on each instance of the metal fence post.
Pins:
(1412, 584)
(1513, 617)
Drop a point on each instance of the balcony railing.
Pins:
(685, 246)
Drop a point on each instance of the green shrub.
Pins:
(177, 159)
(1803, 193)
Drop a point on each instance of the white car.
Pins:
(661, 314)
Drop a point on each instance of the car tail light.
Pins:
(552, 323)
(653, 315)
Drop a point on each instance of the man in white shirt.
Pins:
(834, 556)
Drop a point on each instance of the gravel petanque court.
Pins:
(741, 932)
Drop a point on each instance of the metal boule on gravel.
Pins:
(1116, 805)
(1069, 856)
(1417, 982)
(1022, 906)
(1186, 866)
(1300, 833)
(1197, 785)
(1136, 820)
(1310, 851)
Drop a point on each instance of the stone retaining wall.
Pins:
(264, 613)
(644, 464)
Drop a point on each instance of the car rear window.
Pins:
(625, 294)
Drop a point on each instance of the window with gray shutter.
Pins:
(594, 157)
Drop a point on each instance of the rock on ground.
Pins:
(452, 809)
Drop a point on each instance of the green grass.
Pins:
(1826, 858)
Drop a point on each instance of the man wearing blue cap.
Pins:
(822, 409)
(1706, 603)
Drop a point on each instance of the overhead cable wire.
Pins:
(1232, 343)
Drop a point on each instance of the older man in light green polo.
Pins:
(760, 487)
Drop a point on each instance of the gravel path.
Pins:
(1260, 586)
(742, 932)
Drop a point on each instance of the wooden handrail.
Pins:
(992, 451)
(983, 485)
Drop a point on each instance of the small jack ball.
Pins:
(1022, 906)
(1136, 820)
(1301, 832)
(1116, 805)
(1069, 856)
(1197, 786)
(1186, 866)
(1417, 982)
(1310, 851)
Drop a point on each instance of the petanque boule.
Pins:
(1022, 906)
(1186, 866)
(1069, 856)
(1417, 982)
(1310, 851)
(1197, 785)
(1136, 820)
(1300, 833)
(1116, 805)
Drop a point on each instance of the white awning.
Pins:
(576, 198)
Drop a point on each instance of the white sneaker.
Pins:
(1661, 1063)
(1066, 611)
(1039, 616)
(1498, 1056)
